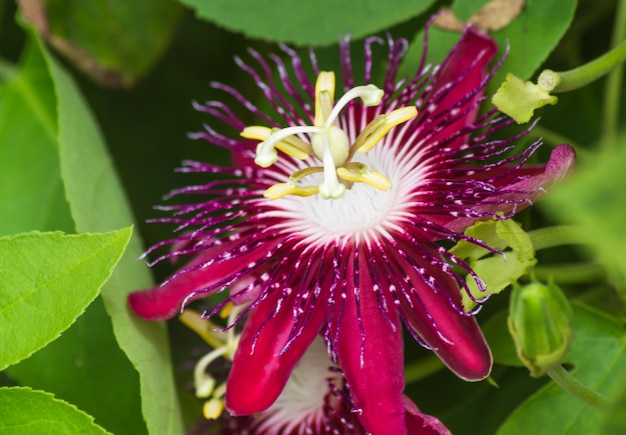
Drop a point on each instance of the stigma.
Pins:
(329, 145)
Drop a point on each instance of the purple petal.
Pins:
(466, 68)
(454, 336)
(262, 364)
(422, 424)
(165, 301)
(533, 185)
(370, 350)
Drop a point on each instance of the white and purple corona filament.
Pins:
(329, 219)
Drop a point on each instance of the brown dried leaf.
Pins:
(497, 14)
(446, 20)
(494, 16)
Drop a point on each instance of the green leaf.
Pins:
(466, 8)
(31, 190)
(517, 239)
(519, 99)
(46, 281)
(595, 198)
(86, 367)
(484, 231)
(24, 411)
(307, 22)
(127, 40)
(532, 36)
(97, 203)
(598, 356)
(82, 364)
(615, 419)
(496, 271)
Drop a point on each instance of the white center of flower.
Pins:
(361, 208)
(340, 168)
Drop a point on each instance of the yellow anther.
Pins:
(295, 147)
(324, 96)
(327, 141)
(213, 408)
(359, 173)
(370, 129)
(291, 145)
(203, 327)
(392, 119)
(228, 308)
(256, 132)
(300, 174)
(281, 189)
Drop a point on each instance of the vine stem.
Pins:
(559, 235)
(613, 85)
(569, 383)
(554, 82)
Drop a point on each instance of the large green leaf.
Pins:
(531, 36)
(27, 412)
(307, 22)
(97, 203)
(466, 8)
(86, 367)
(46, 281)
(598, 356)
(615, 419)
(128, 39)
(89, 345)
(83, 364)
(31, 191)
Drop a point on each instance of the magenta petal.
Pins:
(455, 337)
(165, 301)
(467, 63)
(561, 163)
(372, 359)
(422, 424)
(261, 367)
(534, 186)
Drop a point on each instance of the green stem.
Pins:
(613, 86)
(569, 383)
(564, 81)
(544, 238)
(577, 273)
(422, 368)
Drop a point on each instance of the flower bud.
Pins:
(539, 321)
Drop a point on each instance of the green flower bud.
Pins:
(539, 321)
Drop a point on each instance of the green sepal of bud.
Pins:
(519, 99)
(540, 324)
